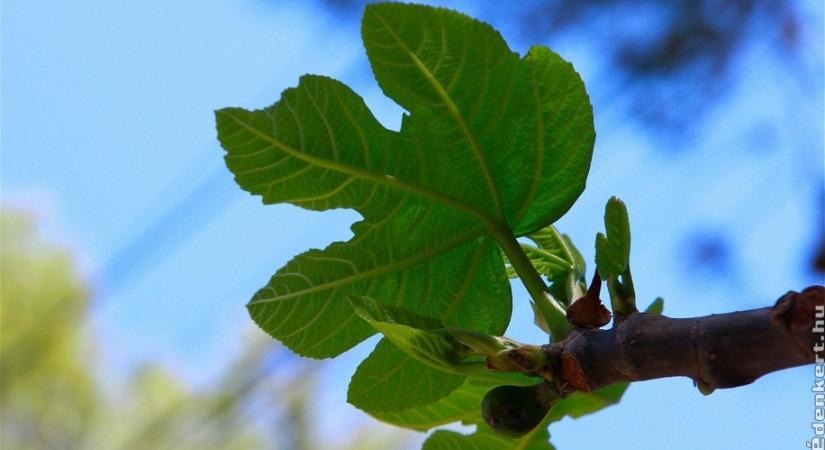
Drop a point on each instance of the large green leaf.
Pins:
(390, 380)
(462, 405)
(522, 129)
(391, 257)
(479, 114)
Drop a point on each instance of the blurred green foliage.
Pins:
(53, 397)
(47, 393)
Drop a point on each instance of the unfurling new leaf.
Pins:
(613, 249)
(613, 258)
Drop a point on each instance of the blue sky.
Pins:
(108, 132)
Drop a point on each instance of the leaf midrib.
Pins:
(385, 179)
(401, 264)
(540, 152)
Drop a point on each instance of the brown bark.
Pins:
(720, 350)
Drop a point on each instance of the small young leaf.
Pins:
(538, 318)
(568, 285)
(547, 263)
(423, 338)
(613, 249)
(656, 307)
(375, 312)
(613, 259)
(555, 255)
(578, 259)
(551, 241)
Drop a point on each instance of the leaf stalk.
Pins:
(553, 311)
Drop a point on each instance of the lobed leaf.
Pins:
(528, 123)
(522, 127)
